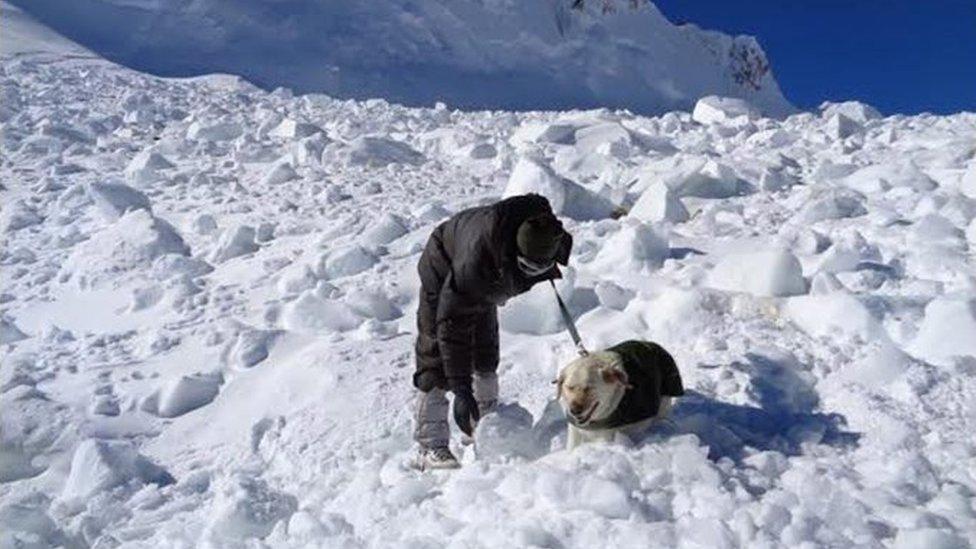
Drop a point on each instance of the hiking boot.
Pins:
(435, 458)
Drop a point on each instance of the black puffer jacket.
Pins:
(467, 269)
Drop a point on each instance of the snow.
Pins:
(206, 357)
(486, 55)
(772, 273)
(566, 197)
(723, 110)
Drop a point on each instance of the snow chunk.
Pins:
(833, 204)
(247, 507)
(967, 185)
(840, 127)
(764, 273)
(612, 296)
(506, 432)
(635, 247)
(714, 109)
(204, 130)
(710, 179)
(373, 304)
(825, 315)
(233, 243)
(384, 230)
(19, 215)
(101, 465)
(280, 172)
(946, 331)
(929, 538)
(536, 312)
(251, 346)
(9, 332)
(144, 167)
(311, 313)
(115, 199)
(136, 239)
(566, 197)
(372, 151)
(185, 394)
(289, 128)
(347, 261)
(854, 110)
(658, 203)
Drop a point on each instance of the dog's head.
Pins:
(590, 387)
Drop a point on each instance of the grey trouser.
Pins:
(431, 429)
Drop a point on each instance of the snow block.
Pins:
(635, 247)
(827, 315)
(833, 204)
(187, 393)
(205, 130)
(658, 203)
(384, 230)
(115, 199)
(710, 179)
(280, 172)
(714, 109)
(536, 312)
(566, 197)
(948, 330)
(373, 304)
(246, 507)
(347, 261)
(311, 313)
(19, 215)
(9, 332)
(854, 110)
(841, 127)
(251, 347)
(289, 128)
(967, 185)
(772, 273)
(101, 465)
(135, 240)
(234, 242)
(613, 296)
(373, 152)
(506, 433)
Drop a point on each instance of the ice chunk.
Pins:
(373, 304)
(251, 346)
(506, 432)
(204, 224)
(374, 151)
(934, 229)
(246, 507)
(566, 197)
(612, 296)
(971, 234)
(854, 110)
(187, 393)
(635, 247)
(764, 273)
(280, 172)
(881, 177)
(296, 279)
(967, 185)
(18, 215)
(833, 204)
(100, 465)
(234, 242)
(948, 330)
(825, 315)
(311, 313)
(173, 265)
(536, 312)
(144, 167)
(9, 332)
(775, 180)
(207, 130)
(714, 109)
(115, 199)
(347, 261)
(136, 239)
(289, 128)
(929, 538)
(387, 228)
(840, 126)
(710, 179)
(658, 203)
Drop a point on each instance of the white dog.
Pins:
(621, 390)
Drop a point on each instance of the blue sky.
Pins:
(900, 56)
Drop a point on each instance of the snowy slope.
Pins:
(207, 308)
(467, 53)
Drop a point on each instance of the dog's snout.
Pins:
(576, 408)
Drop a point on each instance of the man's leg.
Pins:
(485, 380)
(431, 430)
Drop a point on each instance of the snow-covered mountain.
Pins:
(206, 318)
(510, 54)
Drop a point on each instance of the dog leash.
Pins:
(568, 320)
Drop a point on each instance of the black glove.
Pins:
(465, 410)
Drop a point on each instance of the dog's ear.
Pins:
(615, 374)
